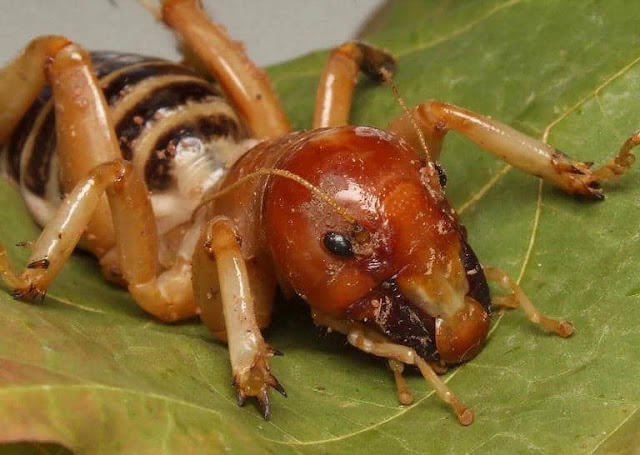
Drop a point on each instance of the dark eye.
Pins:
(441, 174)
(338, 244)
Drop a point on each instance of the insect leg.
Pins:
(85, 134)
(521, 151)
(519, 299)
(86, 138)
(372, 342)
(168, 296)
(22, 80)
(335, 90)
(222, 278)
(60, 236)
(247, 86)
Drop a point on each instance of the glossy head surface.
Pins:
(407, 272)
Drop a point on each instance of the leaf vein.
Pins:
(419, 47)
(612, 432)
(594, 93)
(485, 188)
(460, 31)
(356, 400)
(534, 234)
(96, 387)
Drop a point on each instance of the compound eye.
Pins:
(441, 174)
(338, 244)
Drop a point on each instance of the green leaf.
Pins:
(88, 370)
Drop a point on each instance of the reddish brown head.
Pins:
(411, 274)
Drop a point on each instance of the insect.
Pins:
(200, 208)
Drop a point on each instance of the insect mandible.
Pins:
(200, 208)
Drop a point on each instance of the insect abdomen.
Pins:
(170, 123)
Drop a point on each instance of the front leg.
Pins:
(435, 119)
(221, 278)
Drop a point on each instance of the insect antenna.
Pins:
(386, 76)
(388, 79)
(358, 229)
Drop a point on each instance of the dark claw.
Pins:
(264, 401)
(277, 386)
(593, 195)
(240, 398)
(265, 405)
(39, 264)
(29, 294)
(17, 294)
(277, 352)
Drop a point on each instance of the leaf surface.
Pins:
(88, 370)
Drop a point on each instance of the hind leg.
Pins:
(85, 136)
(61, 235)
(22, 80)
(167, 296)
(247, 86)
(91, 167)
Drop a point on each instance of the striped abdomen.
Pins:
(173, 125)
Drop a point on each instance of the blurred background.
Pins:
(272, 30)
